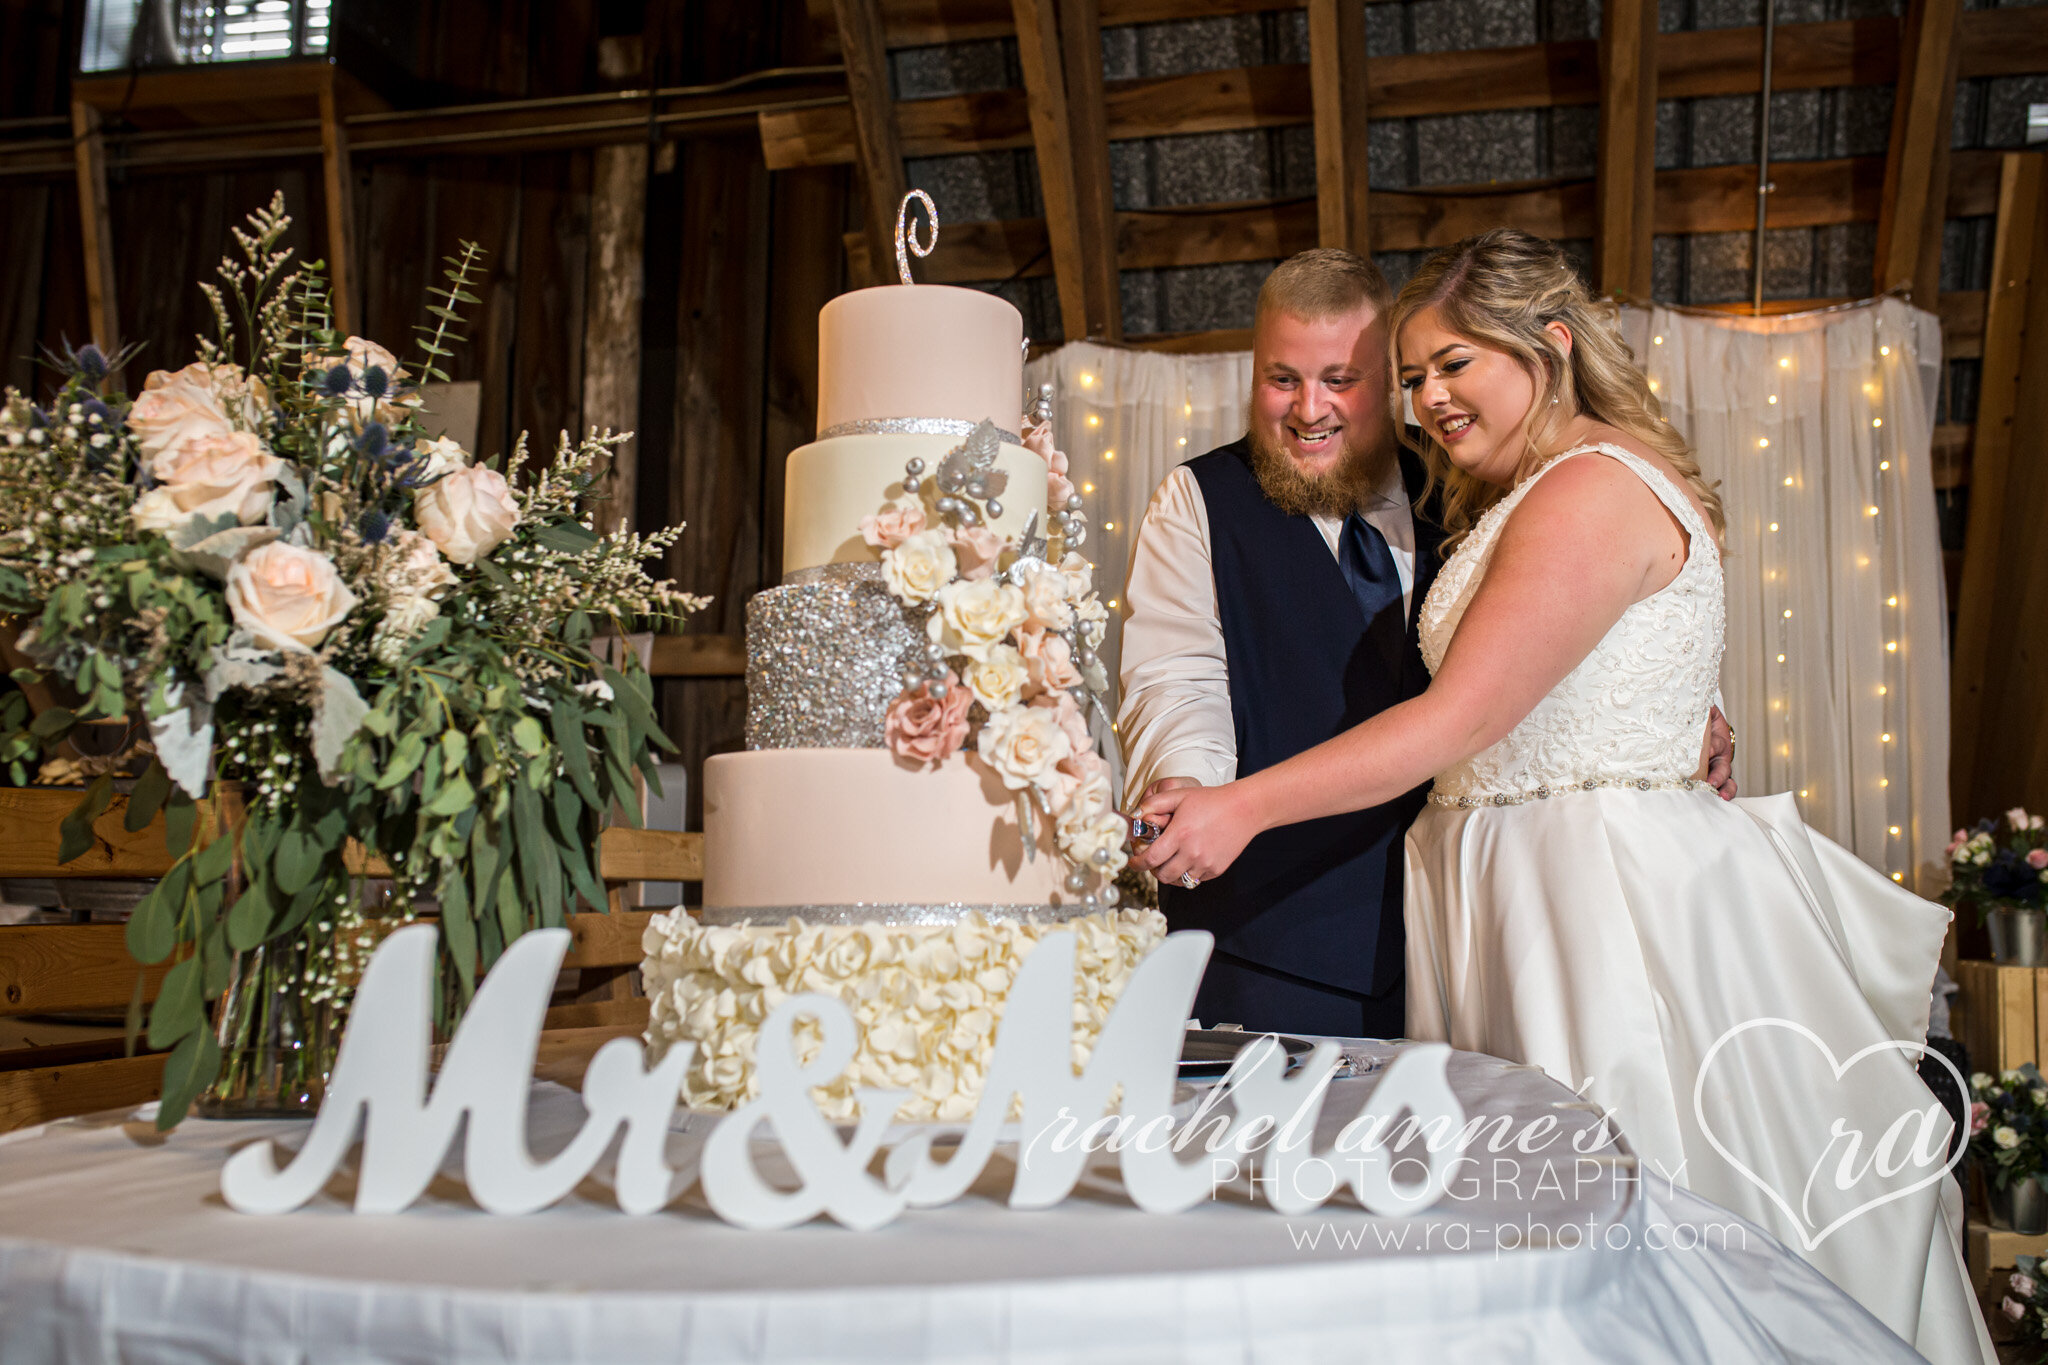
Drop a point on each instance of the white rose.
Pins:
(2011, 1077)
(1980, 1080)
(207, 476)
(998, 679)
(404, 619)
(174, 409)
(468, 514)
(1024, 744)
(287, 597)
(442, 455)
(975, 614)
(920, 566)
(2006, 1137)
(410, 564)
(1045, 598)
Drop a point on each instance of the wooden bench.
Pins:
(50, 969)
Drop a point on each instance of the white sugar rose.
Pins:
(442, 455)
(1024, 745)
(1096, 841)
(2006, 1137)
(997, 680)
(1094, 619)
(289, 598)
(1045, 598)
(1080, 575)
(468, 514)
(920, 565)
(176, 408)
(974, 615)
(219, 472)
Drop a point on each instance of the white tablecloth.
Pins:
(115, 1246)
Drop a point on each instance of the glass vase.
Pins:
(277, 1044)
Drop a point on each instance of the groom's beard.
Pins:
(1359, 469)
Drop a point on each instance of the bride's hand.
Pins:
(1206, 828)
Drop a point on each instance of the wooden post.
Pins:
(339, 184)
(89, 150)
(1915, 169)
(878, 150)
(1080, 25)
(1627, 172)
(1336, 74)
(1045, 90)
(1978, 667)
(612, 294)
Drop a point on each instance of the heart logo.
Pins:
(1800, 1221)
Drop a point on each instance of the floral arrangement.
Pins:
(1011, 664)
(2009, 1124)
(268, 571)
(1996, 874)
(927, 999)
(2026, 1302)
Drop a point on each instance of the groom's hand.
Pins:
(1721, 754)
(1140, 821)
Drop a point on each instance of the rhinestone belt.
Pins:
(1546, 791)
(912, 426)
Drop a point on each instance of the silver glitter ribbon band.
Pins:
(894, 913)
(862, 571)
(911, 426)
(1544, 793)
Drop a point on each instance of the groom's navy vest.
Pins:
(1320, 900)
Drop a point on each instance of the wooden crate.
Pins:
(2001, 1015)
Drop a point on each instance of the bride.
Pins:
(1722, 980)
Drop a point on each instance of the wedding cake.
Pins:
(921, 798)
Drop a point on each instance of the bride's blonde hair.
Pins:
(1502, 289)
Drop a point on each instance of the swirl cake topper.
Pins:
(907, 244)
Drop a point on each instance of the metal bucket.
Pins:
(2022, 1205)
(2019, 937)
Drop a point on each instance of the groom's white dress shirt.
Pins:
(1174, 720)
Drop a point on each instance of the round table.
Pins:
(115, 1246)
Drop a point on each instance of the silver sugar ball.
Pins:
(938, 689)
(934, 650)
(911, 680)
(911, 483)
(1090, 901)
(1075, 535)
(948, 505)
(1102, 857)
(914, 465)
(1077, 882)
(969, 514)
(936, 669)
(995, 509)
(1074, 503)
(1084, 656)
(977, 487)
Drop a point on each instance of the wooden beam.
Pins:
(1337, 83)
(613, 295)
(2019, 254)
(89, 155)
(338, 184)
(877, 149)
(1094, 195)
(1627, 172)
(1045, 93)
(699, 656)
(46, 1093)
(1922, 114)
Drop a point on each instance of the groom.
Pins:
(1272, 604)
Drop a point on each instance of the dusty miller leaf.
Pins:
(184, 738)
(338, 713)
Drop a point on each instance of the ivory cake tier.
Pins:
(833, 483)
(927, 350)
(786, 829)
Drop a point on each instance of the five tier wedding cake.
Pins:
(922, 797)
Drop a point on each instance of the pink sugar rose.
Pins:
(975, 548)
(921, 728)
(1068, 713)
(1048, 657)
(1038, 440)
(893, 525)
(2037, 858)
(1980, 1114)
(1057, 491)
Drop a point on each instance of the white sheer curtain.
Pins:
(1855, 718)
(1819, 427)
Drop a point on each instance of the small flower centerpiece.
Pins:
(1010, 665)
(2006, 879)
(2009, 1143)
(2025, 1304)
(268, 572)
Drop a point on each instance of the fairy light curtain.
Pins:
(1818, 427)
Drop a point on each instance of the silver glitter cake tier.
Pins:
(825, 657)
(895, 913)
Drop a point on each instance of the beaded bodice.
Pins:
(1634, 711)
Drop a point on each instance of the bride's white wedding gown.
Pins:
(1575, 902)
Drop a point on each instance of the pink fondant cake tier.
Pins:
(922, 350)
(797, 827)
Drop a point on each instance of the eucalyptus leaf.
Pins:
(190, 1069)
(178, 1004)
(153, 926)
(453, 797)
(568, 537)
(526, 733)
(181, 815)
(248, 922)
(458, 932)
(338, 711)
(297, 861)
(75, 836)
(570, 738)
(216, 962)
(405, 759)
(53, 723)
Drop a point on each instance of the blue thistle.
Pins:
(337, 382)
(89, 363)
(374, 439)
(375, 381)
(98, 412)
(375, 526)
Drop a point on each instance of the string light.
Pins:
(1774, 526)
(1781, 658)
(1657, 341)
(1882, 689)
(1802, 791)
(1093, 420)
(1898, 876)
(1774, 398)
(1109, 526)
(1112, 607)
(1785, 362)
(1788, 481)
(1891, 601)
(1884, 350)
(1187, 409)
(1183, 440)
(1891, 646)
(1109, 454)
(1884, 781)
(1885, 738)
(1087, 380)
(1788, 613)
(1895, 831)
(1763, 443)
(1884, 464)
(1870, 511)
(1087, 488)
(1877, 421)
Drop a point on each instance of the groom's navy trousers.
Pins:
(1308, 926)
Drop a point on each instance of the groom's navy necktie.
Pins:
(1369, 568)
